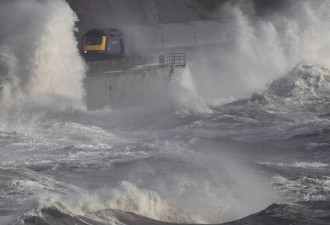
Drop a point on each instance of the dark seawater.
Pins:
(242, 137)
(262, 160)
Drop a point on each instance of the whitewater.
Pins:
(242, 137)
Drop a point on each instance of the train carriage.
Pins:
(145, 40)
(100, 44)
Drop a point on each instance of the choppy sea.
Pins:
(242, 139)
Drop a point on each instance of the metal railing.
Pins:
(173, 59)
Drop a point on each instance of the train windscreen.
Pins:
(93, 39)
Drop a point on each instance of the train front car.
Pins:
(102, 44)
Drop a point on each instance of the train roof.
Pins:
(112, 31)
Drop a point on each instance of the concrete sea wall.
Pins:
(125, 88)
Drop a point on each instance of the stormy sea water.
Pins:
(241, 138)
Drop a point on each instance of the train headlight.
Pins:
(85, 52)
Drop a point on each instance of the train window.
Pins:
(93, 40)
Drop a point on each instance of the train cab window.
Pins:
(93, 40)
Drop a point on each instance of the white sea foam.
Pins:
(306, 165)
(233, 192)
(263, 49)
(127, 198)
(184, 93)
(304, 188)
(39, 57)
(310, 164)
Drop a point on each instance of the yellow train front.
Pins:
(102, 44)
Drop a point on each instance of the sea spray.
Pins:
(127, 198)
(39, 58)
(262, 49)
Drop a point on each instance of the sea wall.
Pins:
(125, 88)
(120, 64)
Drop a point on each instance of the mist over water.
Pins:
(260, 49)
(182, 157)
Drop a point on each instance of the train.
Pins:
(98, 44)
(145, 40)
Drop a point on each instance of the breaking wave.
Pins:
(39, 60)
(260, 50)
(56, 199)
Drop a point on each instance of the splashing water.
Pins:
(260, 50)
(39, 59)
(40, 65)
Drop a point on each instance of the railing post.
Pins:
(163, 40)
(195, 36)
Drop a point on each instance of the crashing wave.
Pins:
(303, 80)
